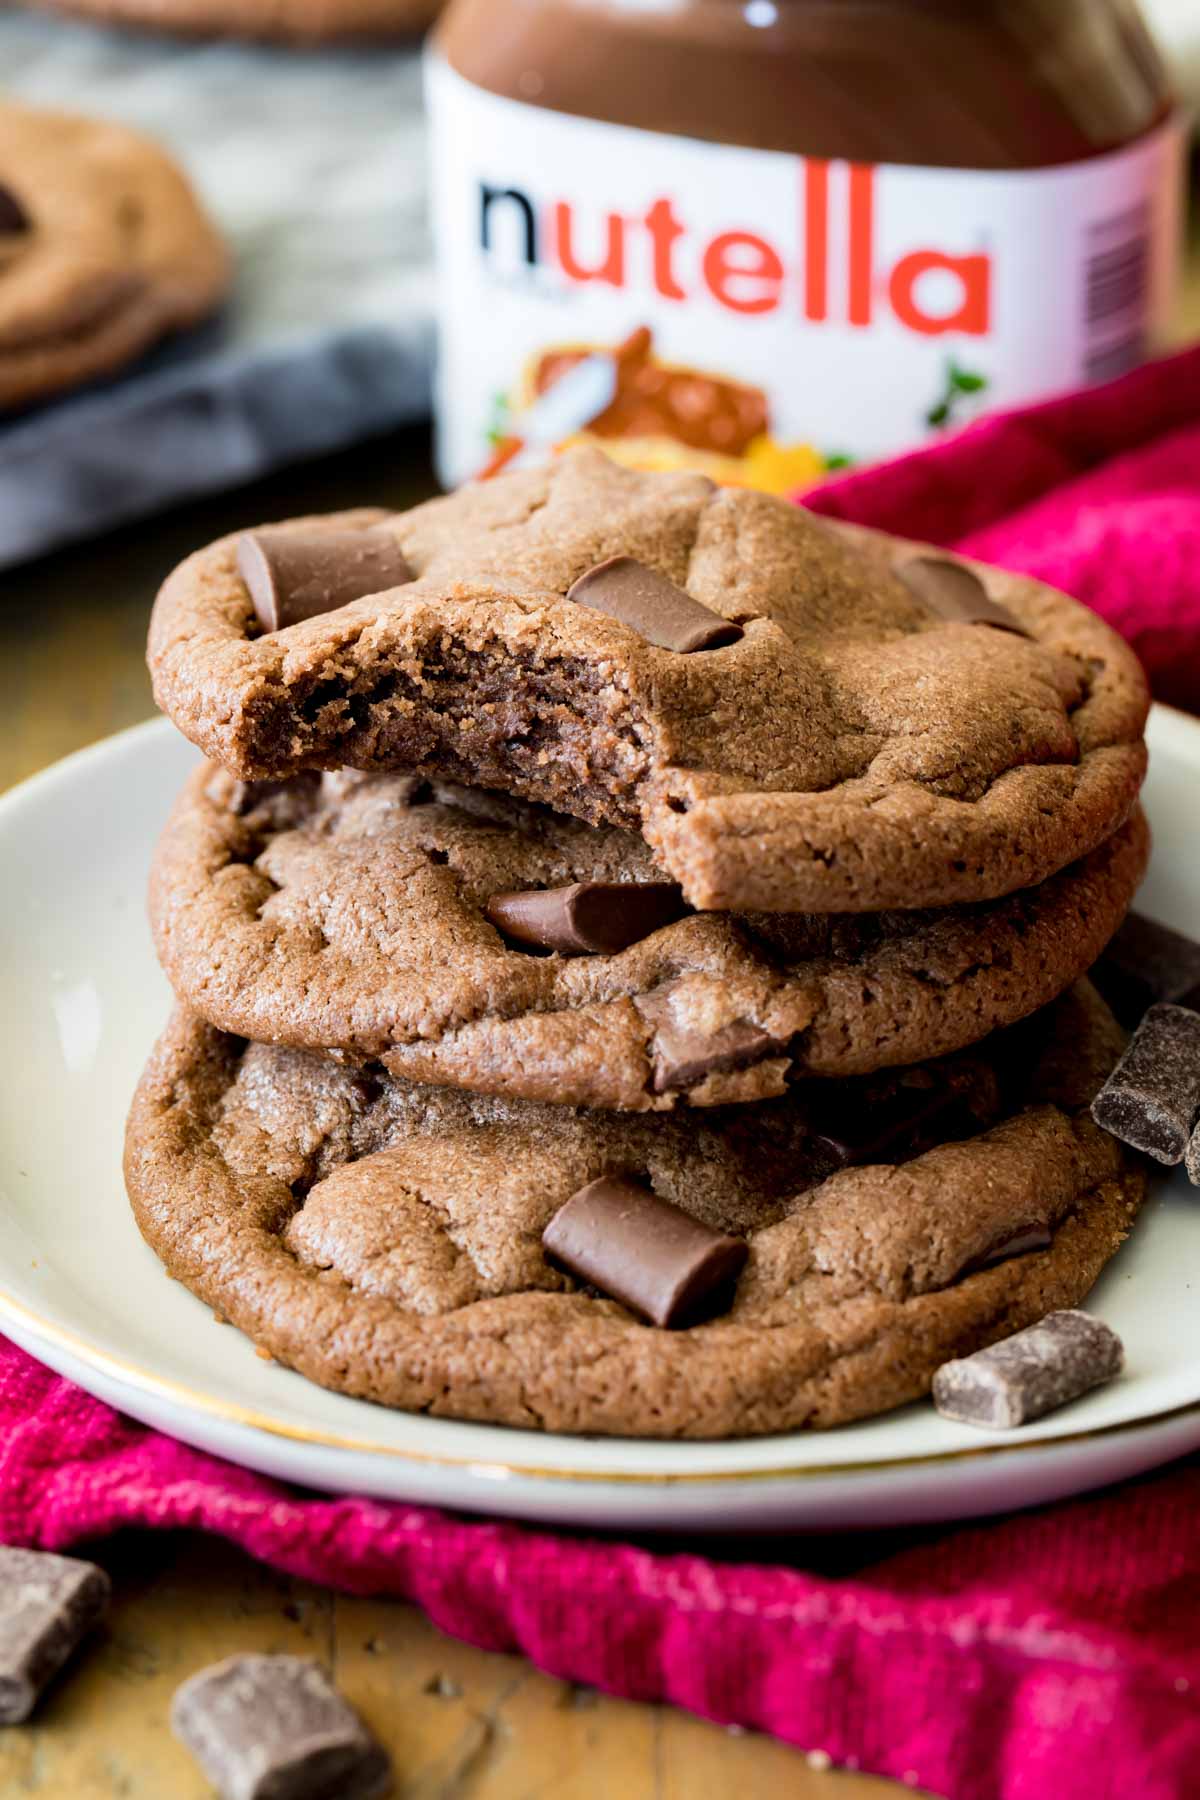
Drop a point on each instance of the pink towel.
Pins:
(1051, 1656)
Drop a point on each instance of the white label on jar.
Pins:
(778, 314)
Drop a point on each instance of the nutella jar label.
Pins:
(760, 316)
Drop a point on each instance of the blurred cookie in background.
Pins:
(297, 22)
(104, 250)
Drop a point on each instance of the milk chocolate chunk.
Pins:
(650, 1255)
(1029, 1374)
(603, 917)
(1147, 963)
(652, 604)
(1152, 1097)
(684, 1054)
(47, 1605)
(293, 573)
(275, 1728)
(956, 594)
(1013, 1243)
(13, 218)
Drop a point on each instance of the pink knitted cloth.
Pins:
(1052, 1656)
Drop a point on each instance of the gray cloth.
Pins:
(314, 166)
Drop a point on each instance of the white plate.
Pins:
(84, 1000)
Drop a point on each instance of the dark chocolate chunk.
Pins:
(665, 615)
(652, 1256)
(47, 1605)
(599, 916)
(1013, 1243)
(683, 1055)
(955, 593)
(1146, 964)
(293, 573)
(1153, 1095)
(895, 1128)
(276, 1728)
(14, 220)
(1029, 1374)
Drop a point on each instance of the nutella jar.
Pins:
(764, 238)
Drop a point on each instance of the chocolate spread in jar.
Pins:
(761, 237)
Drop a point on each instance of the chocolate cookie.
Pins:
(386, 1239)
(104, 249)
(797, 716)
(275, 21)
(390, 917)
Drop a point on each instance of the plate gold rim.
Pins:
(145, 1380)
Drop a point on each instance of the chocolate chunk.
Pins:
(1145, 964)
(1029, 1374)
(652, 1256)
(47, 1605)
(293, 573)
(599, 916)
(907, 1122)
(1153, 1095)
(664, 614)
(1013, 1243)
(684, 1055)
(955, 593)
(14, 220)
(275, 1728)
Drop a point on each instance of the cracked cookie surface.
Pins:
(114, 251)
(385, 1239)
(852, 750)
(346, 912)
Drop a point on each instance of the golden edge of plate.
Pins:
(144, 1379)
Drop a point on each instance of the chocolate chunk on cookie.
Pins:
(391, 1240)
(104, 249)
(854, 749)
(468, 938)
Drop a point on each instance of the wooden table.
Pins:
(461, 1724)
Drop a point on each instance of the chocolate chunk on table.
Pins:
(1145, 964)
(955, 593)
(653, 605)
(276, 1728)
(294, 574)
(589, 916)
(48, 1604)
(1153, 1095)
(652, 1256)
(1043, 1367)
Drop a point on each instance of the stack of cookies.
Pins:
(628, 942)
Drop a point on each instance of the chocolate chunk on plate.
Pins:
(276, 1728)
(1151, 1099)
(653, 605)
(600, 917)
(48, 1604)
(293, 573)
(650, 1255)
(955, 593)
(1145, 964)
(1031, 1373)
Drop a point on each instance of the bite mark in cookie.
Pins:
(852, 750)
